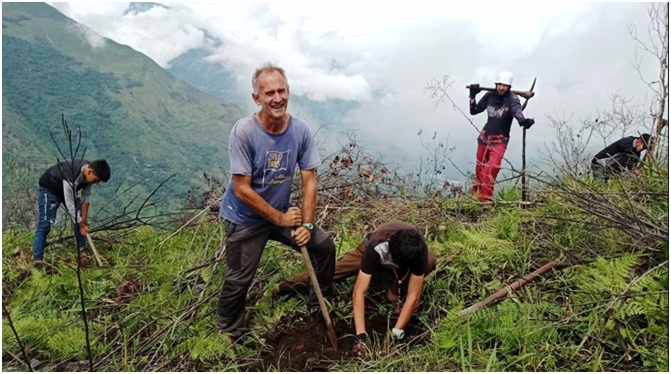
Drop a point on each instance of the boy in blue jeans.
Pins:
(68, 182)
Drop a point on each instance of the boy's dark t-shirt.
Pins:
(371, 259)
(69, 170)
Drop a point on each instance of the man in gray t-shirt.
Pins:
(264, 150)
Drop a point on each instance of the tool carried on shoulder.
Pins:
(525, 94)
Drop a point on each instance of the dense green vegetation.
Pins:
(38, 83)
(152, 306)
(146, 123)
(603, 305)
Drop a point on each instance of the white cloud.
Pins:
(580, 52)
(305, 36)
(93, 38)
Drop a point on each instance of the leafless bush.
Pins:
(571, 149)
(657, 46)
(570, 153)
(19, 194)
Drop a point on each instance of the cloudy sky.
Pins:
(581, 54)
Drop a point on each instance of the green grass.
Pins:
(604, 308)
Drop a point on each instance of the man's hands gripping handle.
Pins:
(473, 90)
(292, 218)
(527, 123)
(303, 231)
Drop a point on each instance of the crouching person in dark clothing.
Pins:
(397, 248)
(264, 150)
(621, 155)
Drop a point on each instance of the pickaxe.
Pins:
(525, 94)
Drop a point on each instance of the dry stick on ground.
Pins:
(82, 301)
(16, 335)
(206, 209)
(13, 356)
(218, 257)
(508, 289)
(73, 156)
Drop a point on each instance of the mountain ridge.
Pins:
(147, 123)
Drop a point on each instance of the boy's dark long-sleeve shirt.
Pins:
(623, 151)
(500, 113)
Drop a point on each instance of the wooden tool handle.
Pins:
(93, 248)
(322, 305)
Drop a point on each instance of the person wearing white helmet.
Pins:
(501, 107)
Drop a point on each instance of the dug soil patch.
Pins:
(300, 342)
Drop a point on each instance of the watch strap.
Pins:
(308, 225)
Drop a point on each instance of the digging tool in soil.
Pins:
(322, 305)
(93, 248)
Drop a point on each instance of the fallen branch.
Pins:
(206, 209)
(516, 285)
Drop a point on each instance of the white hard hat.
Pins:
(505, 77)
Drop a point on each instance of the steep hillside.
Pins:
(143, 120)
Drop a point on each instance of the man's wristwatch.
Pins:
(308, 225)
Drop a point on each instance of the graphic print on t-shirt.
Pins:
(498, 113)
(276, 163)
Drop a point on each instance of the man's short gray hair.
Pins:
(267, 67)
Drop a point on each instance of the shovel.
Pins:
(322, 305)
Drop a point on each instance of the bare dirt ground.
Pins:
(300, 342)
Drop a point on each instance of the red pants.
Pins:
(487, 167)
